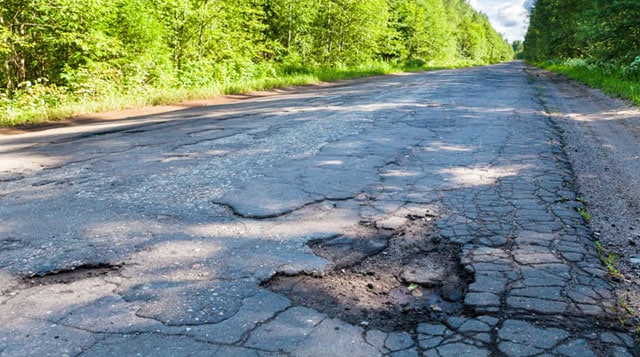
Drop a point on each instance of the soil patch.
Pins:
(390, 281)
(71, 275)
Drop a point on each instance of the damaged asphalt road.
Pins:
(164, 235)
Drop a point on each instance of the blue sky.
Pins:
(508, 17)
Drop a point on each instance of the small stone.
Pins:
(400, 296)
(391, 223)
(635, 260)
(424, 273)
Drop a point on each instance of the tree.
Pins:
(42, 37)
(557, 29)
(93, 47)
(615, 32)
(518, 48)
(290, 25)
(348, 31)
(425, 30)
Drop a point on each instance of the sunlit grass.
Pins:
(610, 80)
(42, 104)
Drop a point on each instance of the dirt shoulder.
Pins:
(602, 140)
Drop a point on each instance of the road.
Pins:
(431, 214)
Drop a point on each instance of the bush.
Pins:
(414, 63)
(632, 71)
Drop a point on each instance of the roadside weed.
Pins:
(584, 214)
(609, 261)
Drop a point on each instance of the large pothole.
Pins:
(392, 280)
(70, 275)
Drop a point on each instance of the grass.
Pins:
(584, 214)
(34, 110)
(628, 316)
(40, 103)
(610, 79)
(582, 210)
(609, 260)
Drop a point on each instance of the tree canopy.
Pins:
(599, 30)
(92, 47)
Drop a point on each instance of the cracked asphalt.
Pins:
(152, 236)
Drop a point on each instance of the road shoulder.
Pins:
(602, 140)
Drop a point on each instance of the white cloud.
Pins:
(508, 17)
(528, 4)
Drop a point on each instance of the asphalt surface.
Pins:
(152, 236)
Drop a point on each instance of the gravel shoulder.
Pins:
(602, 140)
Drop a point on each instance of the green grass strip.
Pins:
(610, 80)
(40, 103)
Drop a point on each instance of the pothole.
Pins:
(8, 176)
(389, 281)
(11, 243)
(67, 276)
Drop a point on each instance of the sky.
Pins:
(508, 17)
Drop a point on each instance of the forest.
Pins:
(596, 41)
(63, 57)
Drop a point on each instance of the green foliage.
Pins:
(348, 31)
(557, 29)
(584, 214)
(423, 28)
(594, 41)
(57, 54)
(615, 33)
(518, 49)
(613, 80)
(610, 261)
